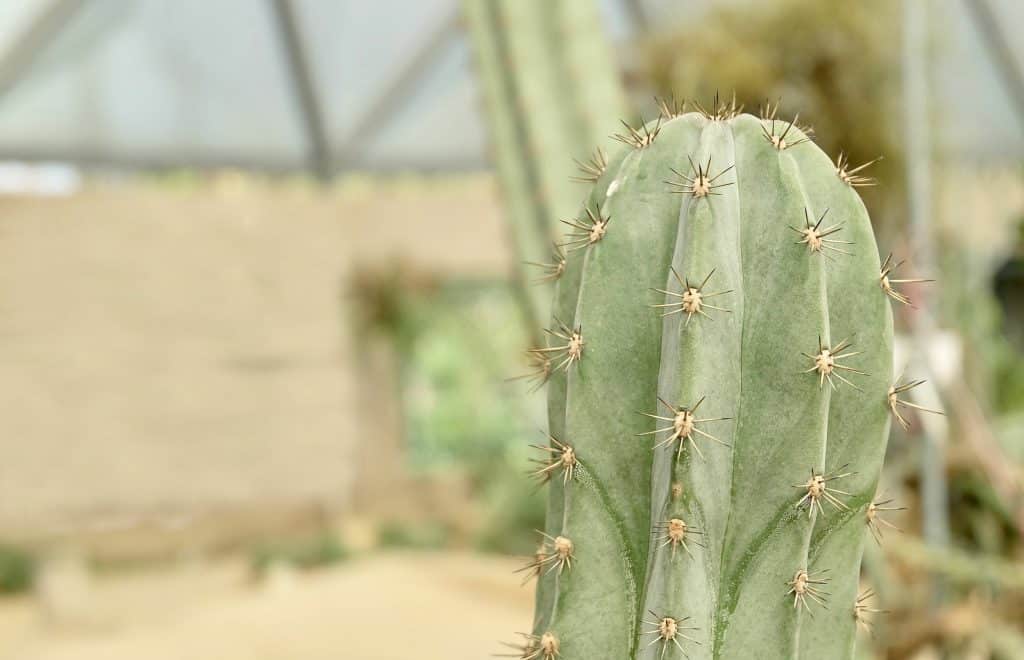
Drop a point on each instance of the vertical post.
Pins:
(998, 46)
(637, 15)
(304, 88)
(917, 127)
(41, 31)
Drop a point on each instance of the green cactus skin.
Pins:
(776, 421)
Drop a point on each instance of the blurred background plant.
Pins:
(17, 568)
(463, 415)
(833, 66)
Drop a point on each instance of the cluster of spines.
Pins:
(592, 168)
(669, 630)
(816, 237)
(806, 585)
(585, 231)
(850, 175)
(817, 489)
(684, 422)
(639, 138)
(701, 183)
(534, 647)
(674, 532)
(553, 270)
(691, 299)
(770, 126)
(720, 109)
(669, 108)
(862, 611)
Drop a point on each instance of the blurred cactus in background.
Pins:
(551, 93)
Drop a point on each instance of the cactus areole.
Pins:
(722, 356)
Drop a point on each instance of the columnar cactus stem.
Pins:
(773, 373)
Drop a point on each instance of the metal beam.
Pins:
(998, 47)
(40, 32)
(934, 489)
(388, 101)
(637, 16)
(304, 87)
(109, 159)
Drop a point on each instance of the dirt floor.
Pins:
(383, 607)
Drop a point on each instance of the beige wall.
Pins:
(166, 351)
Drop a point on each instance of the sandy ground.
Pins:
(386, 607)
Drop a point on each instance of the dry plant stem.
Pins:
(1003, 472)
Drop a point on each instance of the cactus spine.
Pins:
(722, 408)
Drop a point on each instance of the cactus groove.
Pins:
(719, 398)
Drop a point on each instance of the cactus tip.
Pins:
(670, 107)
(639, 139)
(700, 183)
(720, 109)
(778, 140)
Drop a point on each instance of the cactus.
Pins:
(719, 396)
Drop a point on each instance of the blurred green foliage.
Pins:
(834, 63)
(1009, 369)
(460, 408)
(515, 508)
(421, 535)
(458, 344)
(310, 552)
(17, 570)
